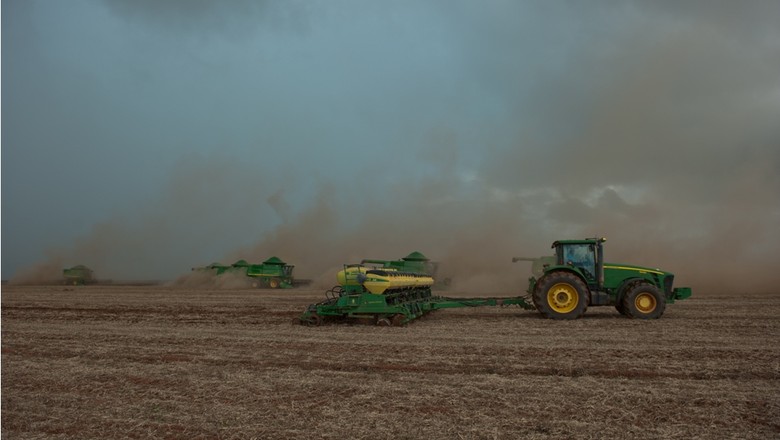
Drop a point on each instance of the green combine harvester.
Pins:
(78, 275)
(272, 273)
(562, 287)
(414, 262)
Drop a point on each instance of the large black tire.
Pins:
(619, 306)
(561, 295)
(644, 301)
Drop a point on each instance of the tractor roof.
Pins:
(240, 263)
(583, 241)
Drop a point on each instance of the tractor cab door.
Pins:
(582, 257)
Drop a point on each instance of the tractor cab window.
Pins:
(581, 256)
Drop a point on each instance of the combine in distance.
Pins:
(272, 273)
(78, 275)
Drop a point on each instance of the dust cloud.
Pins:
(660, 133)
(209, 206)
(672, 152)
(48, 271)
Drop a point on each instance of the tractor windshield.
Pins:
(582, 257)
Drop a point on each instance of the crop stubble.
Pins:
(163, 362)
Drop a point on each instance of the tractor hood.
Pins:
(631, 267)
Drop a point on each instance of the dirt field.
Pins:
(158, 362)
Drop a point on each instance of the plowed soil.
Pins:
(161, 362)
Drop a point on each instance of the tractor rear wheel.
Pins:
(561, 295)
(644, 301)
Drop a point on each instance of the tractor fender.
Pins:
(565, 269)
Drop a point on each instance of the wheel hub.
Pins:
(645, 303)
(562, 297)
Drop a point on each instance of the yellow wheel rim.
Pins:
(274, 284)
(562, 298)
(645, 303)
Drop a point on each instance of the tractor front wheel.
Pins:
(274, 283)
(561, 295)
(644, 301)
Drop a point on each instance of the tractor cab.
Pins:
(586, 256)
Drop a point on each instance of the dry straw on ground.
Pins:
(172, 362)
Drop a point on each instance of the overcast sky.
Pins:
(143, 137)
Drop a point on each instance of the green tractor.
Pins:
(563, 286)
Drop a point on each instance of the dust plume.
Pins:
(471, 133)
(672, 151)
(199, 279)
(210, 205)
(48, 271)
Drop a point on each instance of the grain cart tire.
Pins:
(644, 301)
(561, 295)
